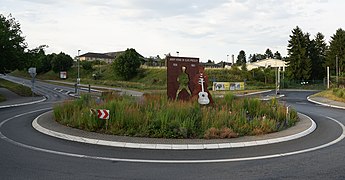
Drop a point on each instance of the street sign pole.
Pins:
(32, 72)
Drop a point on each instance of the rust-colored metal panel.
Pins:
(174, 70)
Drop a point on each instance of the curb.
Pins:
(324, 104)
(46, 131)
(259, 92)
(23, 104)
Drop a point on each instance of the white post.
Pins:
(276, 76)
(327, 77)
(287, 113)
(278, 87)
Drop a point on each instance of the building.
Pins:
(267, 63)
(105, 57)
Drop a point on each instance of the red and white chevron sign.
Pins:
(103, 113)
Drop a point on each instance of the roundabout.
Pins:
(318, 154)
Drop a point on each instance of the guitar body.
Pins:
(203, 98)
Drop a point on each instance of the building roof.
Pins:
(267, 63)
(114, 54)
(96, 55)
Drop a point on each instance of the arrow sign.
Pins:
(103, 113)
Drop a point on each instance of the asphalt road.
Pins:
(28, 154)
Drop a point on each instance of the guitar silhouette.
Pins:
(203, 96)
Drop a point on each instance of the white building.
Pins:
(267, 63)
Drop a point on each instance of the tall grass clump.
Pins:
(339, 92)
(155, 116)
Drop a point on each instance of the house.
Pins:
(105, 57)
(267, 63)
(212, 64)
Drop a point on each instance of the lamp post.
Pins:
(78, 78)
(336, 70)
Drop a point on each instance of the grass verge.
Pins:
(155, 116)
(2, 98)
(16, 88)
(335, 94)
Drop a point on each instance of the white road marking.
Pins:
(172, 146)
(341, 137)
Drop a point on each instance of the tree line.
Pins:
(307, 58)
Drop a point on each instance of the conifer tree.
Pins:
(336, 48)
(299, 64)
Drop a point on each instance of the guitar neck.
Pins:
(202, 84)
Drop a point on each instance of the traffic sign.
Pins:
(32, 72)
(103, 113)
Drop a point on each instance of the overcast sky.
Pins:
(208, 29)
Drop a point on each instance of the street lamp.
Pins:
(336, 70)
(78, 78)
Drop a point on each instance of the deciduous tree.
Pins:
(268, 53)
(12, 44)
(126, 65)
(61, 62)
(277, 55)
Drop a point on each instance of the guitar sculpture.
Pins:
(203, 96)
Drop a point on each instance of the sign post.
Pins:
(32, 72)
(102, 114)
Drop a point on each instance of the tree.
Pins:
(254, 58)
(241, 58)
(12, 44)
(268, 53)
(260, 57)
(317, 54)
(87, 65)
(336, 48)
(61, 62)
(299, 64)
(37, 58)
(126, 65)
(277, 55)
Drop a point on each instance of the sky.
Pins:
(207, 29)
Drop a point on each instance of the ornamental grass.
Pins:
(155, 116)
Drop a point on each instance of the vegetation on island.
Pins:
(16, 88)
(155, 116)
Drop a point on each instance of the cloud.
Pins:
(208, 29)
